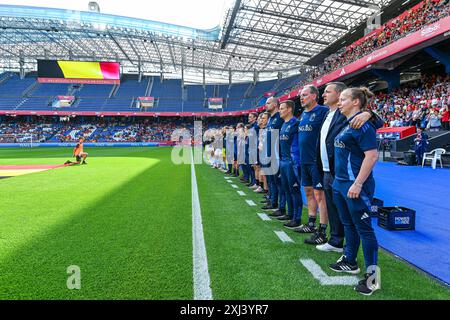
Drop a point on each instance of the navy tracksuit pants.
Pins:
(292, 190)
(355, 217)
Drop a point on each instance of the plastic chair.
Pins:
(434, 156)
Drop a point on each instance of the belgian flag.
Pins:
(58, 71)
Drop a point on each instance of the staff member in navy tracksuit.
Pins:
(277, 196)
(253, 133)
(332, 125)
(354, 186)
(308, 135)
(420, 145)
(289, 133)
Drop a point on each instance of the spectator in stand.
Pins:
(411, 104)
(445, 118)
(434, 121)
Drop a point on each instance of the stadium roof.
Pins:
(267, 36)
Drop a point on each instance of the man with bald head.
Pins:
(277, 198)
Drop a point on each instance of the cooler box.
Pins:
(396, 218)
(376, 203)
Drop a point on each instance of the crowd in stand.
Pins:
(16, 132)
(116, 130)
(430, 11)
(424, 103)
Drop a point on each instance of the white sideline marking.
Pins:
(202, 282)
(234, 186)
(227, 178)
(229, 181)
(264, 217)
(250, 203)
(283, 236)
(241, 193)
(325, 279)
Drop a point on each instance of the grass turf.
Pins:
(117, 218)
(125, 220)
(248, 261)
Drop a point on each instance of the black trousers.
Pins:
(337, 234)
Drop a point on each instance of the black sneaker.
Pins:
(270, 207)
(305, 228)
(343, 266)
(284, 218)
(291, 224)
(277, 213)
(317, 238)
(84, 162)
(367, 287)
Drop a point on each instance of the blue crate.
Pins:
(376, 203)
(396, 218)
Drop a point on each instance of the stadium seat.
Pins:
(434, 156)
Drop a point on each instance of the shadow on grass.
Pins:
(8, 153)
(133, 243)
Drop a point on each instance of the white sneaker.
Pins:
(259, 190)
(329, 248)
(254, 187)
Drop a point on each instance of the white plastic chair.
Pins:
(434, 156)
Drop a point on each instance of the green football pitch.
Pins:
(125, 220)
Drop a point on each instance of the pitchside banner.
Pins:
(130, 114)
(85, 72)
(63, 101)
(72, 144)
(145, 102)
(215, 103)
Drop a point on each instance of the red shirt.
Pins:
(445, 116)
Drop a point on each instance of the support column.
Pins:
(139, 69)
(21, 64)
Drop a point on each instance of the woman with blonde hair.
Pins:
(354, 187)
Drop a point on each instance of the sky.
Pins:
(201, 14)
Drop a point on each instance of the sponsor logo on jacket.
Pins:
(339, 144)
(306, 128)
